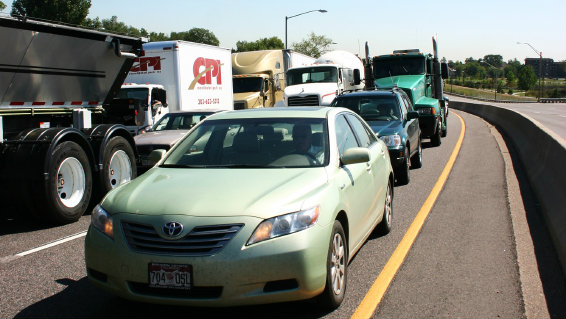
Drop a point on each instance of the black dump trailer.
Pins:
(57, 155)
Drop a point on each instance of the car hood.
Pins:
(261, 193)
(404, 81)
(160, 137)
(382, 128)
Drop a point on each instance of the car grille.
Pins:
(200, 241)
(309, 100)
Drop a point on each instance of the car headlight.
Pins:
(284, 225)
(391, 140)
(426, 110)
(102, 221)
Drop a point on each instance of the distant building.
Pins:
(550, 68)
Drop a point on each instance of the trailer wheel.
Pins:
(118, 164)
(69, 186)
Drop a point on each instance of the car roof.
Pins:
(281, 112)
(370, 93)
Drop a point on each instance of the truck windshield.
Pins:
(315, 74)
(398, 66)
(251, 84)
(133, 93)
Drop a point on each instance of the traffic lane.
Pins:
(463, 263)
(20, 233)
(69, 294)
(408, 200)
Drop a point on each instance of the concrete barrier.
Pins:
(543, 155)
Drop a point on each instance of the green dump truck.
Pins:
(421, 77)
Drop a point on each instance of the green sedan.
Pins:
(250, 207)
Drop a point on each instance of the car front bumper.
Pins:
(287, 268)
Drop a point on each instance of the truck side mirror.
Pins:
(444, 70)
(357, 77)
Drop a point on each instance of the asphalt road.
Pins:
(462, 264)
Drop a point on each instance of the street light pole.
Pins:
(541, 74)
(296, 15)
(495, 83)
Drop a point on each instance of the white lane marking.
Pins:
(54, 243)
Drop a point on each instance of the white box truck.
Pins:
(177, 76)
(332, 74)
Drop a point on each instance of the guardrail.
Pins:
(543, 154)
(543, 100)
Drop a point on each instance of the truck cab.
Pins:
(255, 90)
(419, 75)
(332, 74)
(140, 105)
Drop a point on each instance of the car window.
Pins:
(345, 137)
(359, 130)
(403, 104)
(254, 143)
(371, 107)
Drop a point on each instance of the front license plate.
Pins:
(170, 276)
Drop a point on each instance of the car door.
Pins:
(377, 166)
(412, 126)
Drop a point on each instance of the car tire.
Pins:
(384, 227)
(417, 159)
(445, 129)
(402, 173)
(336, 269)
(118, 164)
(69, 186)
(436, 139)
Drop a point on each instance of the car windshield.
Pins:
(398, 66)
(253, 143)
(251, 84)
(133, 93)
(371, 108)
(312, 75)
(179, 121)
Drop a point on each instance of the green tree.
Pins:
(526, 78)
(261, 44)
(2, 6)
(314, 45)
(494, 59)
(66, 11)
(198, 35)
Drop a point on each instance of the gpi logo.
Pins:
(142, 64)
(205, 70)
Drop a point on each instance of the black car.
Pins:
(391, 116)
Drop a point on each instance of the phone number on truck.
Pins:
(208, 101)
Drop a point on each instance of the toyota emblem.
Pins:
(172, 229)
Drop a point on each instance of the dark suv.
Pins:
(391, 116)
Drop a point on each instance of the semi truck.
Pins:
(177, 76)
(332, 74)
(56, 152)
(421, 77)
(259, 76)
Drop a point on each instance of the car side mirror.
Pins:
(412, 115)
(156, 155)
(355, 155)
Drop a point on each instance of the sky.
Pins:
(463, 29)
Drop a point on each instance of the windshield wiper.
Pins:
(181, 166)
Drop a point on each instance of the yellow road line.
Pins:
(367, 307)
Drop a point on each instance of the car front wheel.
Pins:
(336, 269)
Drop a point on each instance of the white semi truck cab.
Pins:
(331, 74)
